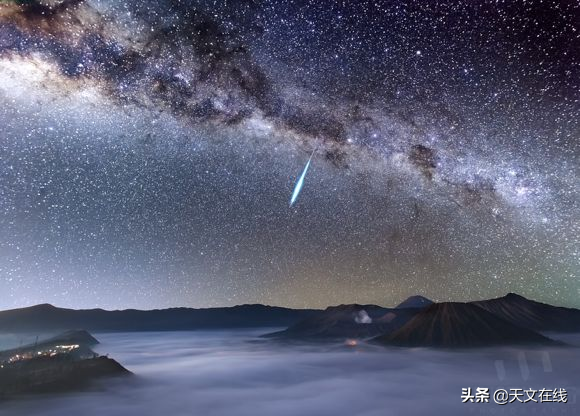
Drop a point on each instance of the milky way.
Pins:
(149, 149)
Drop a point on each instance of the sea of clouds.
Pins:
(217, 373)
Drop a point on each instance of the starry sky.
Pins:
(149, 149)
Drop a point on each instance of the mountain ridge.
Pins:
(460, 325)
(340, 321)
(47, 317)
(532, 314)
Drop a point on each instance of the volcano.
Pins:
(416, 301)
(349, 321)
(460, 325)
(531, 314)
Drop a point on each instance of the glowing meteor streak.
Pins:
(300, 181)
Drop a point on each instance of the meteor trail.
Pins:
(300, 181)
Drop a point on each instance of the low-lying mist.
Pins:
(218, 373)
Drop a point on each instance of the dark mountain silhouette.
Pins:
(79, 337)
(55, 375)
(348, 321)
(339, 322)
(416, 301)
(44, 318)
(460, 325)
(59, 364)
(531, 314)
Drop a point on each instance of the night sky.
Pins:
(149, 150)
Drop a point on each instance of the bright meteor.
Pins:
(300, 181)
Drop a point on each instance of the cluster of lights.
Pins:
(59, 349)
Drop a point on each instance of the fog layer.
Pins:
(236, 373)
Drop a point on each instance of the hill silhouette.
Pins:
(460, 325)
(348, 321)
(46, 318)
(531, 314)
